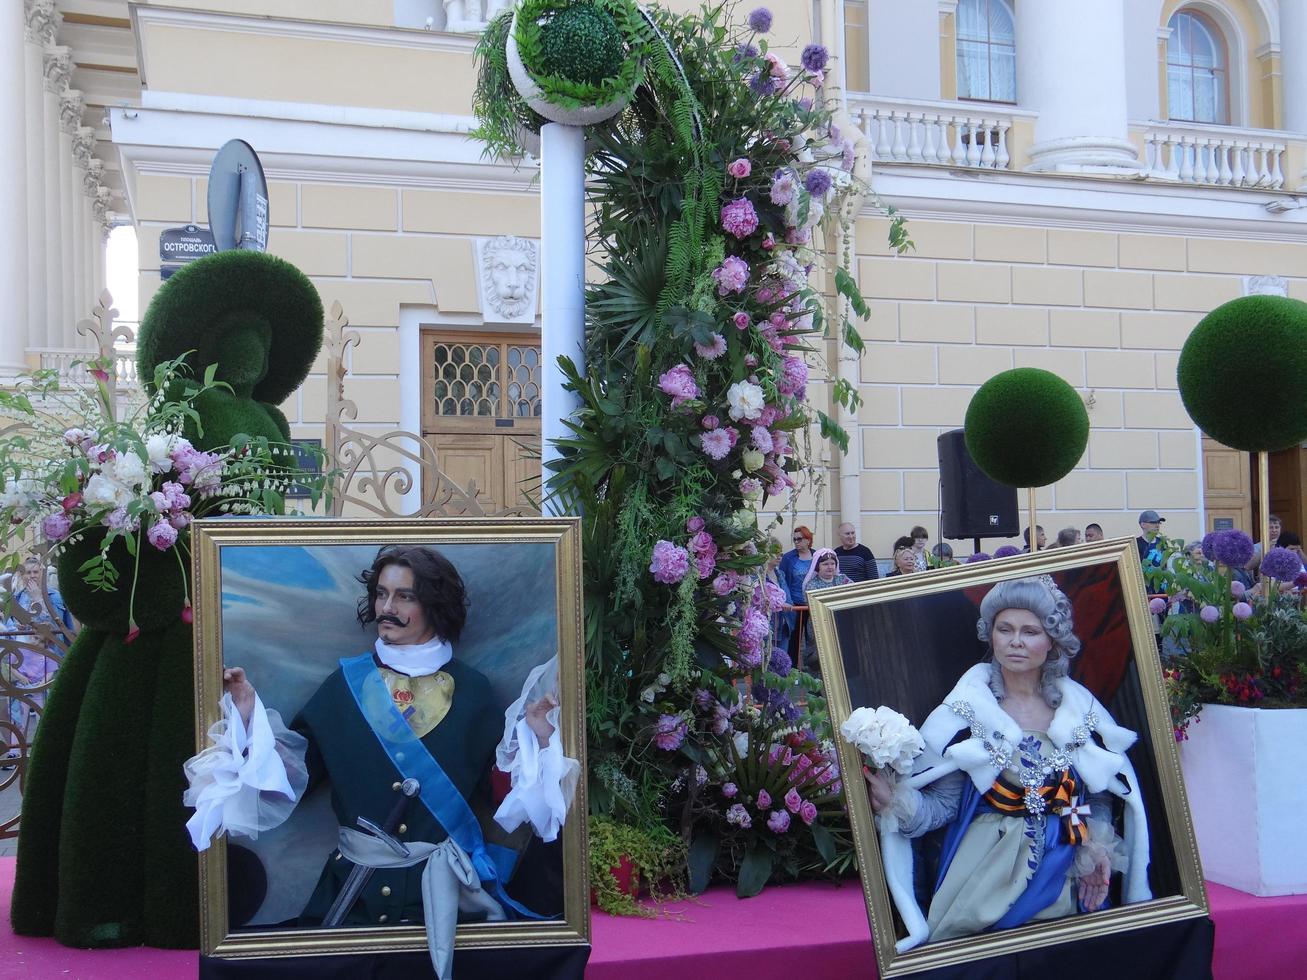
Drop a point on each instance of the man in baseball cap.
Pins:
(1150, 522)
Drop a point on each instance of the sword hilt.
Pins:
(359, 874)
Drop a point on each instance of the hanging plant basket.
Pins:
(576, 63)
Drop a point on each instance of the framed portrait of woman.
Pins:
(1021, 785)
(390, 737)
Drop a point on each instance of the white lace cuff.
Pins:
(544, 782)
(1102, 843)
(247, 781)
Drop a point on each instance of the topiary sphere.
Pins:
(582, 44)
(1243, 373)
(255, 315)
(1026, 427)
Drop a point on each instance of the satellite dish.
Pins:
(238, 198)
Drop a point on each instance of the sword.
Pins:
(359, 874)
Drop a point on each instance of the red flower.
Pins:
(133, 632)
(100, 374)
(188, 614)
(71, 501)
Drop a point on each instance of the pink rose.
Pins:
(694, 525)
(808, 812)
(778, 822)
(710, 422)
(764, 799)
(739, 169)
(741, 320)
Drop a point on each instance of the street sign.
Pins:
(177, 246)
(238, 198)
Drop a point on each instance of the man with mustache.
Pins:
(407, 709)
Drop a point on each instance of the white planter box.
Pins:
(1244, 774)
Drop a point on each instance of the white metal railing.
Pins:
(952, 134)
(1215, 155)
(71, 365)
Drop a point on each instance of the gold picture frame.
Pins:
(523, 573)
(901, 642)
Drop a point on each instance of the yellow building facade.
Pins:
(1084, 179)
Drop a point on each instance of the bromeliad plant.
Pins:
(138, 479)
(710, 194)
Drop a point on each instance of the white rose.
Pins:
(752, 460)
(745, 399)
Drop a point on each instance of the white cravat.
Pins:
(415, 659)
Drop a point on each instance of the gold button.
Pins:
(395, 786)
(403, 828)
(382, 918)
(385, 891)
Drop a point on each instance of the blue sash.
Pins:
(438, 793)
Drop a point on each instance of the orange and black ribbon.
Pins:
(1059, 794)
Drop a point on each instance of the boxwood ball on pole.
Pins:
(1026, 427)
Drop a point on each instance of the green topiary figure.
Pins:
(103, 854)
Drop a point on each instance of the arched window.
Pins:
(987, 51)
(1197, 70)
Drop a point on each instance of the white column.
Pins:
(562, 276)
(1071, 68)
(1293, 63)
(904, 42)
(41, 25)
(70, 118)
(83, 187)
(56, 66)
(13, 192)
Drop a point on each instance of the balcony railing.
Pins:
(950, 134)
(71, 365)
(1215, 155)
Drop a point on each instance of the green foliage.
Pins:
(1228, 393)
(610, 31)
(656, 859)
(1026, 427)
(502, 114)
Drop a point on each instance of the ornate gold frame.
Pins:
(1192, 900)
(210, 537)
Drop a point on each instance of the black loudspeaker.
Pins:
(973, 505)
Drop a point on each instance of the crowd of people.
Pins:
(25, 663)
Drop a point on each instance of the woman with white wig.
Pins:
(1023, 765)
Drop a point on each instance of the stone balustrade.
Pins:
(1215, 155)
(71, 365)
(950, 134)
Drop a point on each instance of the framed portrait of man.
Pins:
(390, 736)
(1021, 786)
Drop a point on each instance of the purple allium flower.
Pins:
(775, 703)
(1241, 611)
(814, 57)
(725, 583)
(1233, 548)
(745, 51)
(764, 799)
(732, 275)
(793, 800)
(669, 563)
(1237, 589)
(794, 376)
(784, 185)
(162, 535)
(779, 662)
(808, 812)
(1157, 605)
(712, 350)
(760, 20)
(716, 444)
(729, 790)
(1281, 564)
(738, 815)
(56, 526)
(739, 218)
(1209, 614)
(763, 84)
(818, 182)
(978, 556)
(679, 383)
(778, 822)
(739, 169)
(670, 732)
(1209, 543)
(1006, 551)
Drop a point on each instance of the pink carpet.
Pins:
(811, 931)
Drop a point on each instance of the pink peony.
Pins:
(778, 822)
(739, 218)
(679, 383)
(794, 377)
(670, 732)
(669, 563)
(716, 444)
(56, 526)
(808, 812)
(713, 349)
(162, 535)
(732, 275)
(725, 583)
(739, 169)
(764, 799)
(1241, 611)
(792, 800)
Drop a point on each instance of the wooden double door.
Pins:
(1230, 487)
(481, 412)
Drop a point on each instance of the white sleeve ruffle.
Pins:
(543, 778)
(245, 782)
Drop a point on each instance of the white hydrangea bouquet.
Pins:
(886, 739)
